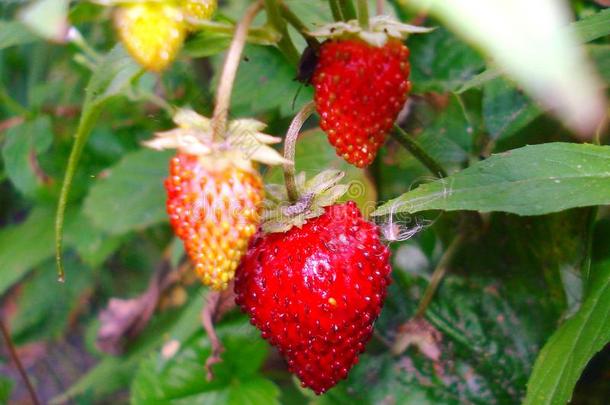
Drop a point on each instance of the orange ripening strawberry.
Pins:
(152, 32)
(214, 192)
(361, 83)
(215, 211)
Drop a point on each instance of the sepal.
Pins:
(381, 28)
(279, 214)
(244, 140)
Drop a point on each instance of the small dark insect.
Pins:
(307, 64)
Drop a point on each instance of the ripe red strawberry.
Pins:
(315, 291)
(359, 90)
(215, 211)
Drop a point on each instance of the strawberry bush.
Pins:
(304, 202)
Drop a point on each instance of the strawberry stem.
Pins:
(276, 21)
(347, 9)
(363, 14)
(335, 8)
(407, 142)
(13, 354)
(86, 123)
(438, 274)
(293, 20)
(290, 143)
(229, 71)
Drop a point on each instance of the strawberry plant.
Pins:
(304, 202)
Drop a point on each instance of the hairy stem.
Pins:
(85, 125)
(290, 142)
(438, 274)
(229, 71)
(13, 353)
(363, 14)
(275, 19)
(407, 142)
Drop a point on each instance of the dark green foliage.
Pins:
(521, 314)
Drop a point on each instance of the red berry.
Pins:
(215, 211)
(359, 91)
(315, 292)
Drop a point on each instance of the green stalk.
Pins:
(276, 21)
(407, 142)
(438, 275)
(335, 8)
(292, 19)
(363, 14)
(347, 9)
(585, 268)
(258, 35)
(85, 126)
(290, 144)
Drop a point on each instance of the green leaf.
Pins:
(564, 357)
(30, 243)
(14, 33)
(180, 379)
(6, 386)
(25, 245)
(485, 354)
(47, 18)
(206, 43)
(265, 83)
(113, 373)
(45, 305)
(218, 38)
(532, 180)
(601, 56)
(447, 137)
(24, 143)
(543, 58)
(506, 110)
(441, 62)
(92, 244)
(131, 195)
(112, 77)
(592, 27)
(313, 152)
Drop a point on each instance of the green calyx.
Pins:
(279, 214)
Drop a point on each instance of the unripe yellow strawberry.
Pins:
(200, 9)
(153, 33)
